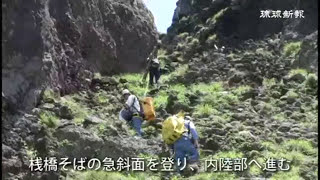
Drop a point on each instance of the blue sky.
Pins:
(162, 11)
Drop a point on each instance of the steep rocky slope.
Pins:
(250, 83)
(255, 98)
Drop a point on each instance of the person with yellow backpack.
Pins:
(135, 111)
(180, 134)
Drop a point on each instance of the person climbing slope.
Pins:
(153, 67)
(181, 135)
(132, 111)
(154, 71)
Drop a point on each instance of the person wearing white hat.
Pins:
(131, 111)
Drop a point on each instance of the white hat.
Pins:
(156, 61)
(125, 91)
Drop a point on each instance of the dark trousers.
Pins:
(154, 73)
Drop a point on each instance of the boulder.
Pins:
(308, 54)
(92, 120)
(218, 131)
(285, 127)
(299, 78)
(65, 112)
(250, 146)
(237, 77)
(81, 142)
(47, 106)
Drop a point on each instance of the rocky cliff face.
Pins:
(236, 25)
(238, 20)
(59, 44)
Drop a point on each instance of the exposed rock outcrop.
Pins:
(308, 55)
(235, 20)
(60, 43)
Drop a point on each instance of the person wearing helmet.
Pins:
(131, 111)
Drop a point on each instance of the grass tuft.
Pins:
(49, 119)
(292, 49)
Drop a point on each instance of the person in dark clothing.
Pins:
(153, 67)
(154, 71)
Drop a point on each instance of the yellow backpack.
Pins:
(148, 109)
(173, 128)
